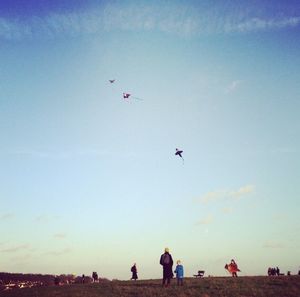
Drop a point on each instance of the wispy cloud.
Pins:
(284, 150)
(227, 210)
(21, 258)
(205, 221)
(10, 29)
(222, 194)
(6, 216)
(60, 235)
(45, 218)
(280, 217)
(273, 245)
(58, 155)
(15, 248)
(58, 252)
(179, 19)
(259, 24)
(212, 196)
(232, 86)
(242, 191)
(50, 26)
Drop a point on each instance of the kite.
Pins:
(179, 153)
(232, 268)
(112, 81)
(127, 95)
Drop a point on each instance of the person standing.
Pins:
(179, 273)
(95, 276)
(234, 268)
(134, 272)
(167, 263)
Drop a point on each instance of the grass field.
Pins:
(259, 286)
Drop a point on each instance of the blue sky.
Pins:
(90, 182)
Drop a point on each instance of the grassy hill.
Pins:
(259, 286)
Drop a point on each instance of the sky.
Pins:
(90, 181)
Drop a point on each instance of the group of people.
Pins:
(273, 271)
(95, 276)
(166, 261)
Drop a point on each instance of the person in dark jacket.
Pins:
(167, 263)
(134, 272)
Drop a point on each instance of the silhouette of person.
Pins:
(95, 276)
(269, 271)
(234, 268)
(167, 263)
(134, 272)
(56, 280)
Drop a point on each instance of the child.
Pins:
(179, 273)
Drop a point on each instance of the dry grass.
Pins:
(259, 286)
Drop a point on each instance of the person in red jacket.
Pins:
(232, 268)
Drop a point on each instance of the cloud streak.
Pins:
(205, 221)
(258, 24)
(248, 189)
(59, 252)
(59, 155)
(232, 86)
(60, 235)
(184, 20)
(273, 245)
(15, 249)
(222, 194)
(6, 216)
(212, 196)
(227, 210)
(46, 218)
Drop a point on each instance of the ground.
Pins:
(259, 286)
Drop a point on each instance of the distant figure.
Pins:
(272, 271)
(134, 272)
(167, 263)
(56, 280)
(232, 268)
(179, 273)
(83, 279)
(95, 276)
(269, 271)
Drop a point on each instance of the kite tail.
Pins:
(182, 160)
